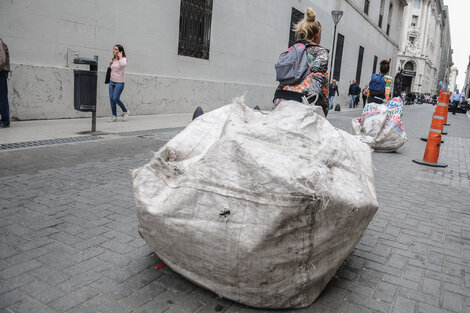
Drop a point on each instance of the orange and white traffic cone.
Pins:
(440, 113)
(431, 154)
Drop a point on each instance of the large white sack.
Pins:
(260, 208)
(380, 126)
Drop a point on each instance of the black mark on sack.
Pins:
(224, 214)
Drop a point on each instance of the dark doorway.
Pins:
(406, 85)
(338, 57)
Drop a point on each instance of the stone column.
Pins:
(424, 26)
(406, 19)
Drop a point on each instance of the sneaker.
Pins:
(125, 115)
(112, 119)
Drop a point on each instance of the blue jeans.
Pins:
(352, 100)
(4, 106)
(331, 101)
(115, 90)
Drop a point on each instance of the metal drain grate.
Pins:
(150, 131)
(38, 143)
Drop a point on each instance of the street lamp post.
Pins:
(336, 17)
(419, 85)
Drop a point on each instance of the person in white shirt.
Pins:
(455, 99)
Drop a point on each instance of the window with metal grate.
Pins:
(195, 28)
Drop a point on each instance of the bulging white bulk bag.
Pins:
(260, 208)
(380, 126)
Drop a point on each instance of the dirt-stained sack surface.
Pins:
(260, 208)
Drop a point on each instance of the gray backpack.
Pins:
(291, 67)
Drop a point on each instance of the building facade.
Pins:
(181, 54)
(454, 72)
(466, 83)
(425, 53)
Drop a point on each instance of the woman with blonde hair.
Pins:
(333, 90)
(308, 32)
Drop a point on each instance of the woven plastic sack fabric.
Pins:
(380, 126)
(260, 208)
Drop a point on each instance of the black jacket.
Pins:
(354, 89)
(333, 89)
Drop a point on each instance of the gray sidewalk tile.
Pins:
(403, 305)
(42, 291)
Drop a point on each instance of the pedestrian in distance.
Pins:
(365, 94)
(308, 32)
(380, 84)
(4, 70)
(354, 92)
(116, 83)
(455, 99)
(333, 90)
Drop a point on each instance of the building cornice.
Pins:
(367, 18)
(411, 57)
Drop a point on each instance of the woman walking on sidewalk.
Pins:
(333, 89)
(116, 83)
(365, 94)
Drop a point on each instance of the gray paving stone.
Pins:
(432, 286)
(418, 296)
(398, 281)
(49, 275)
(426, 308)
(10, 298)
(18, 269)
(77, 282)
(352, 308)
(385, 292)
(143, 295)
(28, 305)
(103, 303)
(370, 303)
(353, 287)
(72, 299)
(369, 278)
(42, 291)
(15, 282)
(404, 305)
(452, 301)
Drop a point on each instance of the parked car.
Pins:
(463, 106)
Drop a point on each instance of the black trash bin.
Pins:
(85, 83)
(84, 87)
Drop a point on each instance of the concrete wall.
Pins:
(246, 40)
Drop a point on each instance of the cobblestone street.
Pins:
(69, 240)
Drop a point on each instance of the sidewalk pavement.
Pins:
(27, 131)
(24, 131)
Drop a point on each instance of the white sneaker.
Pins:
(112, 119)
(125, 115)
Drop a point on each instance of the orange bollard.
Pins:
(440, 113)
(431, 153)
(446, 101)
(443, 107)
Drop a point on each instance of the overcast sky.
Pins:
(459, 25)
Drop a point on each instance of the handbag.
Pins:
(108, 76)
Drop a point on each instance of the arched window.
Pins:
(409, 66)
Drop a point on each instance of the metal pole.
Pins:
(93, 113)
(332, 57)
